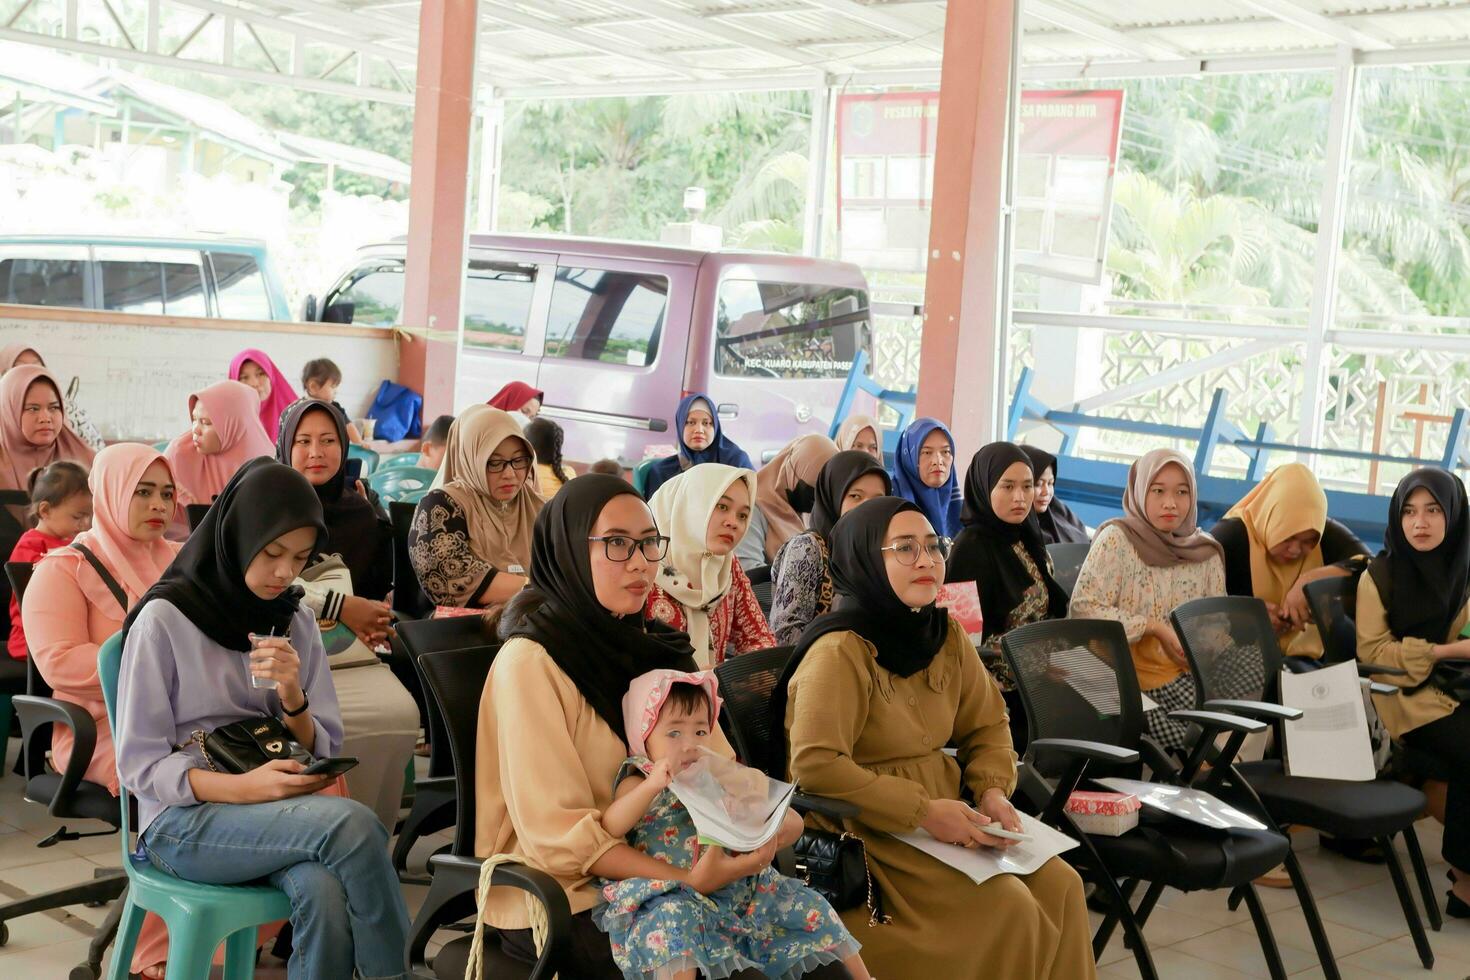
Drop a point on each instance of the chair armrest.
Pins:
(1219, 721)
(1165, 768)
(824, 806)
(1259, 710)
(1077, 748)
(37, 711)
(1378, 687)
(465, 872)
(1368, 670)
(1301, 665)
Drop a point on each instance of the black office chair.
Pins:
(1236, 663)
(434, 796)
(12, 671)
(66, 795)
(1082, 701)
(409, 600)
(455, 680)
(764, 595)
(1066, 559)
(195, 514)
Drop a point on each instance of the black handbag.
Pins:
(835, 866)
(245, 745)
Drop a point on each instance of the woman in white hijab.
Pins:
(700, 587)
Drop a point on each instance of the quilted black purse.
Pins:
(245, 745)
(835, 866)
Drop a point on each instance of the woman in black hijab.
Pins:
(345, 584)
(188, 666)
(551, 732)
(1057, 522)
(1411, 614)
(802, 587)
(1001, 548)
(875, 691)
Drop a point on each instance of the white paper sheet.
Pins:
(1330, 741)
(707, 800)
(1190, 804)
(980, 864)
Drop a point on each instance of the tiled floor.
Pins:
(1192, 936)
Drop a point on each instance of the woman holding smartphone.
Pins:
(222, 637)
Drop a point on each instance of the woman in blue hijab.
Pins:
(923, 472)
(700, 441)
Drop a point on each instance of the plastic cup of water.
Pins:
(260, 683)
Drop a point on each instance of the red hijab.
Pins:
(514, 396)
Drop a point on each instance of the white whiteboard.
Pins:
(136, 376)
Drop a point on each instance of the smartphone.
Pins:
(995, 830)
(354, 469)
(330, 767)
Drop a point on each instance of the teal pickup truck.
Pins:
(227, 278)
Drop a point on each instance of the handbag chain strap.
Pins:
(876, 915)
(197, 738)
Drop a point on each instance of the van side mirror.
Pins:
(308, 308)
(339, 312)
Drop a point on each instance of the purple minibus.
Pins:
(615, 333)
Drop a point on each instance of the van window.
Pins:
(151, 280)
(613, 317)
(497, 305)
(239, 287)
(43, 275)
(789, 330)
(372, 296)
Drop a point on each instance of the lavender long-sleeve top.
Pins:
(176, 681)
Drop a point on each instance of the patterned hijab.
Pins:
(646, 696)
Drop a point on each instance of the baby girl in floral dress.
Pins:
(667, 929)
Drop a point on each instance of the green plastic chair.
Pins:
(162, 444)
(199, 917)
(368, 456)
(401, 481)
(397, 460)
(640, 475)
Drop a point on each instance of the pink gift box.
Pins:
(1109, 814)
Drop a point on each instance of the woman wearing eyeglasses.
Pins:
(874, 692)
(552, 735)
(470, 543)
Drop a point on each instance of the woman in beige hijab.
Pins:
(785, 492)
(862, 433)
(470, 543)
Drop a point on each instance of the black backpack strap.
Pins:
(106, 576)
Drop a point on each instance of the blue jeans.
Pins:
(328, 854)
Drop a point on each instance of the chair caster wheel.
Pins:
(83, 972)
(4, 934)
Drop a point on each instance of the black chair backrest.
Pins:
(18, 575)
(1076, 680)
(455, 680)
(408, 596)
(758, 574)
(421, 636)
(1231, 646)
(1066, 559)
(1334, 605)
(746, 684)
(196, 514)
(764, 595)
(10, 532)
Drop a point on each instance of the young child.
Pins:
(321, 378)
(61, 506)
(431, 450)
(609, 466)
(667, 928)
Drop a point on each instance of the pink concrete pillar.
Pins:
(959, 358)
(443, 114)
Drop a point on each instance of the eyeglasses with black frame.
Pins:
(519, 463)
(620, 547)
(906, 549)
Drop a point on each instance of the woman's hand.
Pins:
(954, 822)
(278, 779)
(368, 619)
(993, 804)
(275, 659)
(715, 868)
(1458, 650)
(1168, 641)
(1294, 608)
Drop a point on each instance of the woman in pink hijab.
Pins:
(70, 609)
(256, 369)
(225, 435)
(14, 355)
(33, 429)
